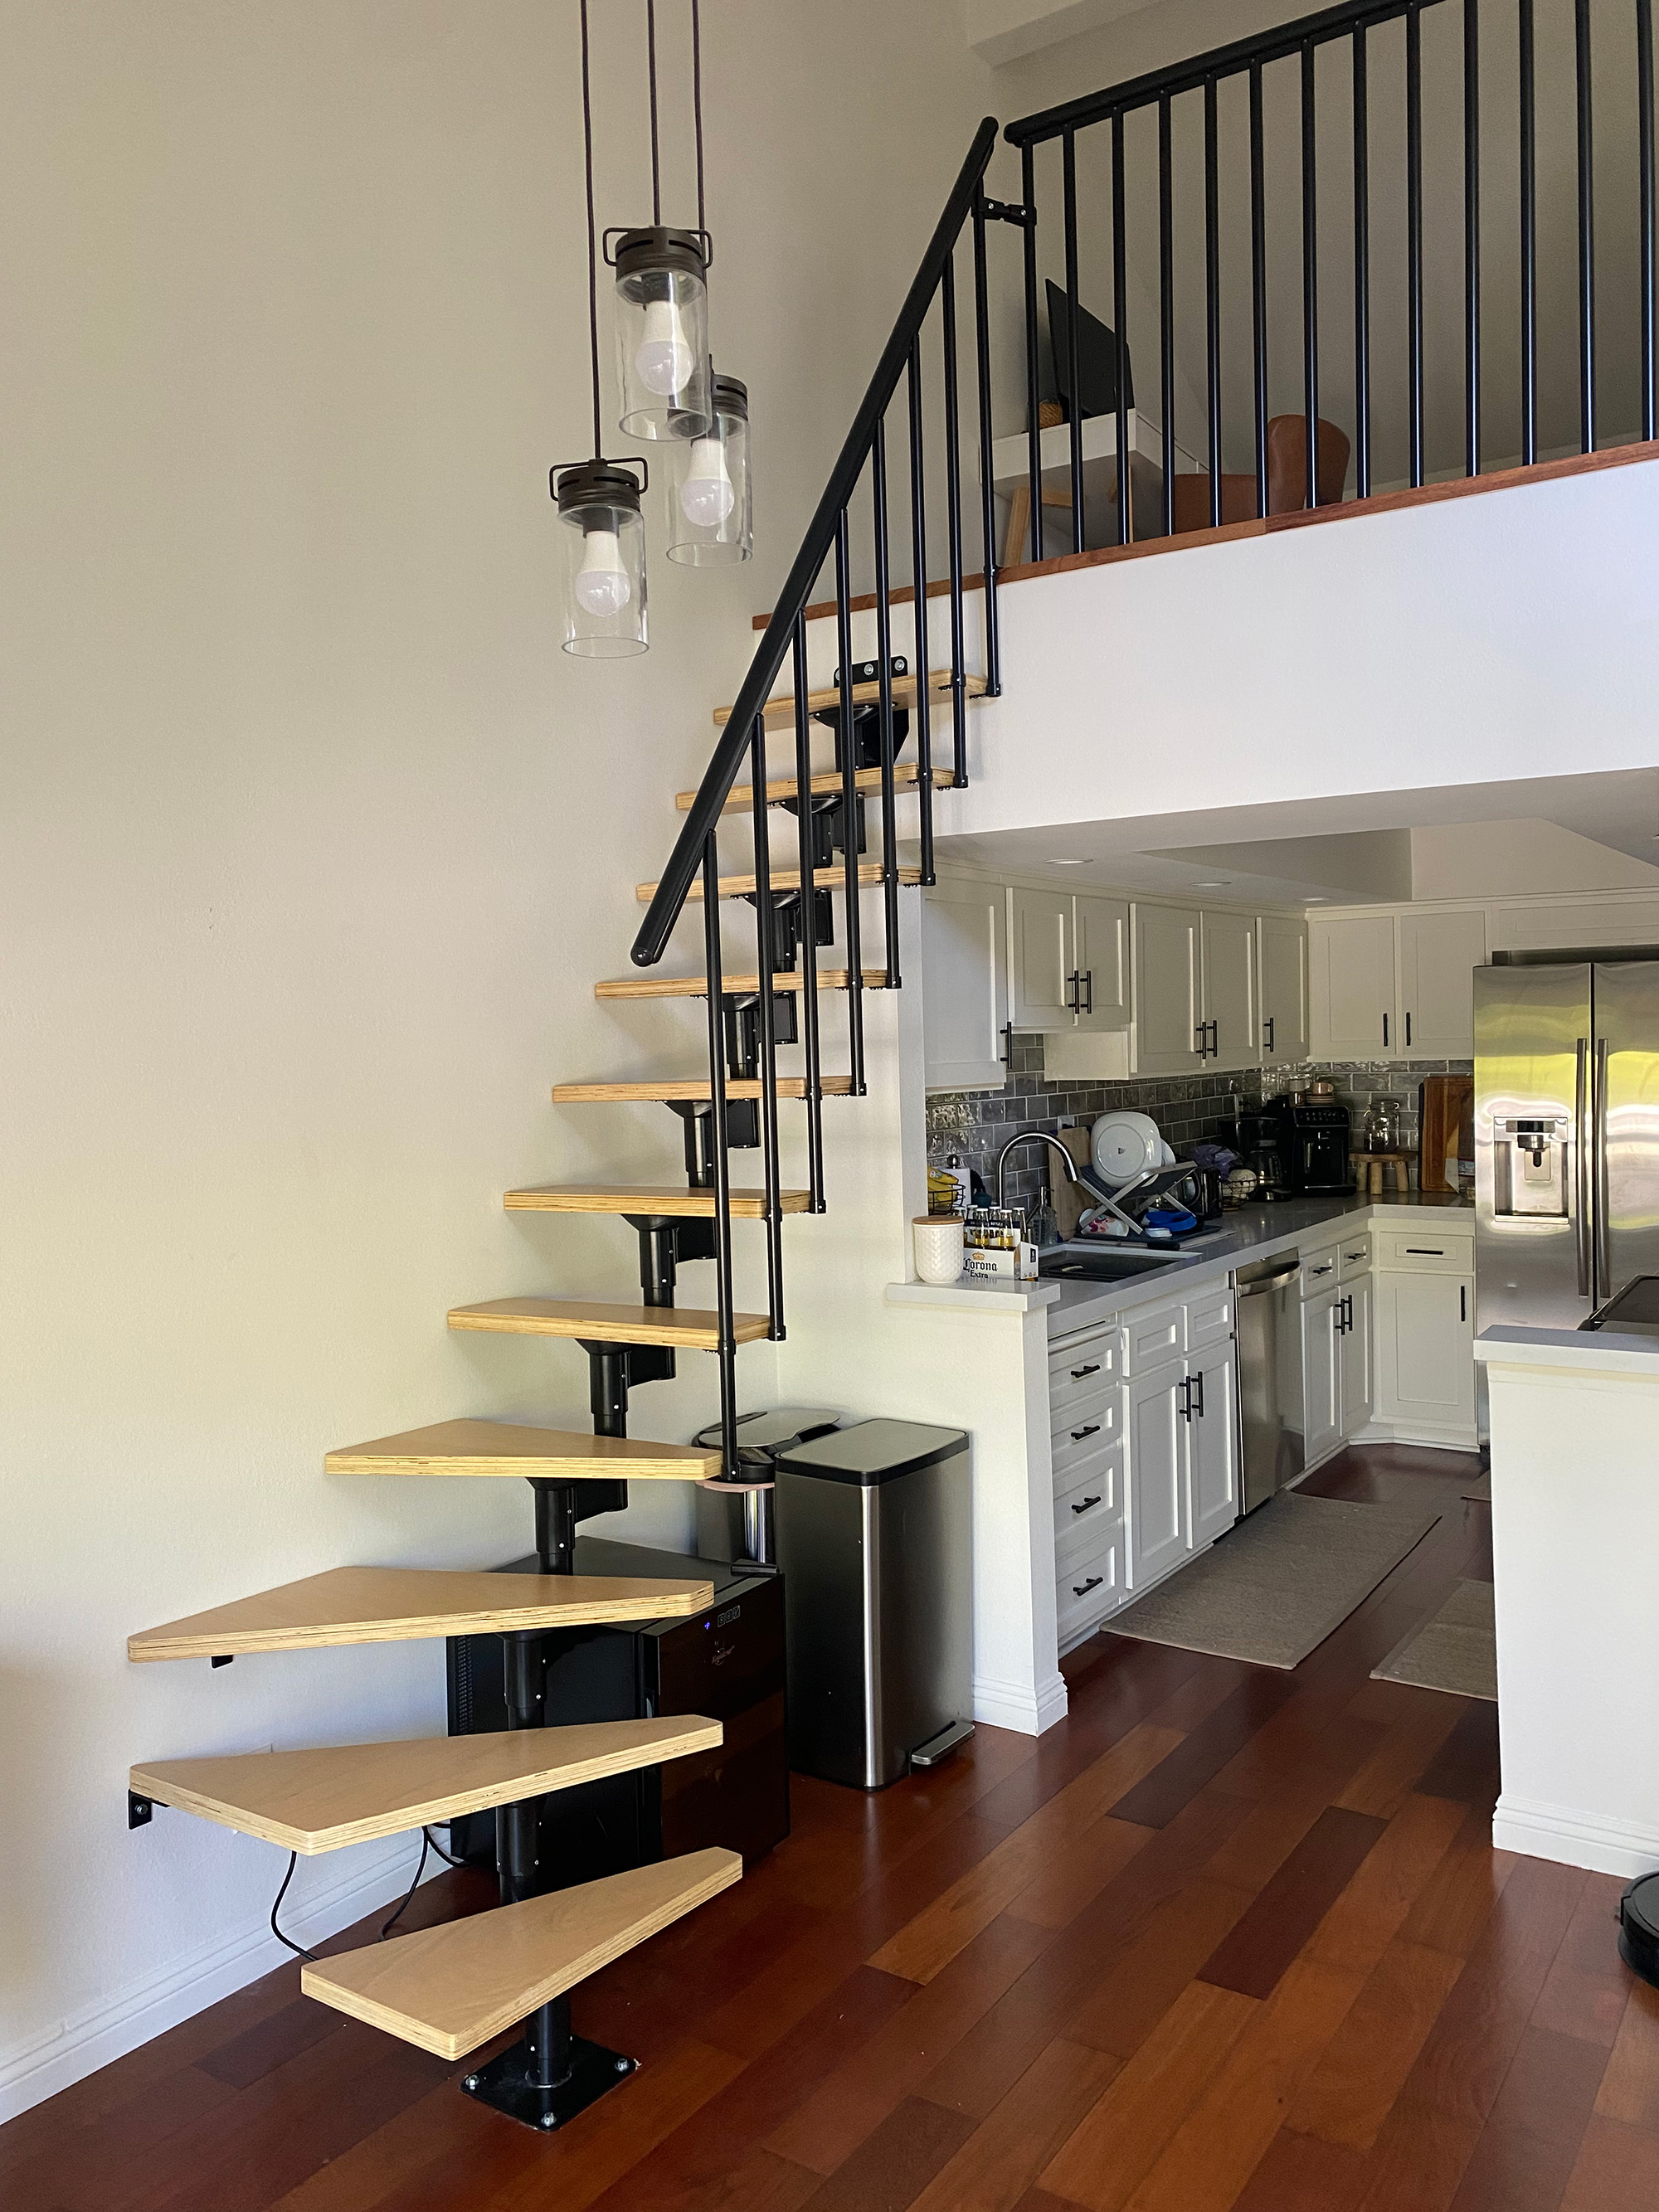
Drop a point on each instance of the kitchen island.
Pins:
(1575, 1464)
(1104, 1415)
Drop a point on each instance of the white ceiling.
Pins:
(1540, 835)
(1003, 30)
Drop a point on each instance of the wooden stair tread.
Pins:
(907, 776)
(697, 987)
(780, 708)
(788, 879)
(685, 1326)
(668, 1087)
(449, 1989)
(495, 1448)
(321, 1799)
(393, 1605)
(647, 1198)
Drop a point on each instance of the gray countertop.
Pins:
(1245, 1233)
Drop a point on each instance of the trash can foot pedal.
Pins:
(938, 1747)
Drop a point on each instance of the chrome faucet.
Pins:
(1100, 1201)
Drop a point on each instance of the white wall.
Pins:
(315, 844)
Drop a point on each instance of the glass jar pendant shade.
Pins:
(710, 515)
(662, 333)
(603, 535)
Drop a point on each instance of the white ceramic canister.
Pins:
(937, 1239)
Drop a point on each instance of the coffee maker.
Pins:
(1313, 1144)
(1255, 1139)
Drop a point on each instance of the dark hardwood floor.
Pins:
(1226, 1941)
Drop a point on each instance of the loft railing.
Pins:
(1619, 32)
(744, 739)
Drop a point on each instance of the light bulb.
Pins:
(664, 360)
(708, 496)
(602, 581)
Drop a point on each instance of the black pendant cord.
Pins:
(592, 248)
(656, 156)
(697, 109)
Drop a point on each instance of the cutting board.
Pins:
(1448, 1130)
(1069, 1199)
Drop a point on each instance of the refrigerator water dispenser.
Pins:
(1531, 1166)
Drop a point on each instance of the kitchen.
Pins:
(1168, 1394)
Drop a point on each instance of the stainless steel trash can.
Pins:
(742, 1525)
(875, 1541)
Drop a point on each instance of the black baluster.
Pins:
(1121, 325)
(1310, 277)
(988, 491)
(1529, 241)
(1166, 308)
(953, 524)
(884, 684)
(1414, 236)
(849, 822)
(1033, 425)
(1212, 299)
(1074, 407)
(919, 571)
(809, 935)
(715, 971)
(1586, 230)
(1362, 269)
(1259, 285)
(1645, 133)
(767, 1026)
(1471, 235)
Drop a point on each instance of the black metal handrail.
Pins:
(815, 547)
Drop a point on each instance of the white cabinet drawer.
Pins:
(1091, 1426)
(1092, 1503)
(1209, 1318)
(1319, 1270)
(1090, 1587)
(1083, 1368)
(1153, 1336)
(1353, 1256)
(1425, 1252)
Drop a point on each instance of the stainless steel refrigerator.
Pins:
(1567, 1137)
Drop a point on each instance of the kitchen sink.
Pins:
(1080, 1264)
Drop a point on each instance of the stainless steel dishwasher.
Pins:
(1270, 1375)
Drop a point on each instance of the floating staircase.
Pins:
(450, 1988)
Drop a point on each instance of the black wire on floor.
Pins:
(439, 1850)
(298, 1949)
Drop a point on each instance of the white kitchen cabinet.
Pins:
(1438, 956)
(1070, 963)
(1353, 1006)
(1213, 1442)
(1160, 1520)
(1322, 1376)
(1354, 1355)
(1168, 989)
(1227, 942)
(1282, 966)
(1101, 958)
(964, 969)
(1426, 1354)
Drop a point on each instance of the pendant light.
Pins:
(710, 517)
(602, 529)
(662, 297)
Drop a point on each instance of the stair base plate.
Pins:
(505, 2084)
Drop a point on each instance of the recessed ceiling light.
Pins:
(1318, 900)
(1220, 884)
(1062, 862)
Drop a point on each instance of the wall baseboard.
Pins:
(1016, 1706)
(1574, 1839)
(31, 2072)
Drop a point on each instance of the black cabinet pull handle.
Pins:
(1089, 985)
(1086, 1503)
(1462, 1302)
(1385, 1029)
(1006, 1055)
(1425, 1251)
(1072, 993)
(1201, 1030)
(1198, 1381)
(1078, 1373)
(1408, 1029)
(1091, 1430)
(1082, 1589)
(1268, 1026)
(1185, 1408)
(1337, 1322)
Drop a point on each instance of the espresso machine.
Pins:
(1313, 1144)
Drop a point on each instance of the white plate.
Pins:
(1124, 1145)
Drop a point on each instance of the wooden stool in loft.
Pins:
(1368, 1179)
